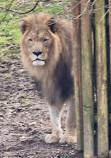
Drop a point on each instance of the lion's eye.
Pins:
(45, 40)
(30, 39)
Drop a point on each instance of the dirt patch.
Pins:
(24, 117)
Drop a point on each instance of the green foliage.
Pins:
(9, 27)
(50, 9)
(9, 32)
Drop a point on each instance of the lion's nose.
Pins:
(37, 53)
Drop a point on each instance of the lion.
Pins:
(47, 54)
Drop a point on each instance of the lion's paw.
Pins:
(50, 138)
(68, 139)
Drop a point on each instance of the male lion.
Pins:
(46, 51)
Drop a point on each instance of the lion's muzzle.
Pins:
(37, 58)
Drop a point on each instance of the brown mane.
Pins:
(56, 76)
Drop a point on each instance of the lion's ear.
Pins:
(23, 26)
(53, 25)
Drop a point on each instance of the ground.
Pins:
(24, 116)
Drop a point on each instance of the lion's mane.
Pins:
(56, 76)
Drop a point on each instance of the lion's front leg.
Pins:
(57, 133)
(70, 134)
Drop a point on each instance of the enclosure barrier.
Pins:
(92, 68)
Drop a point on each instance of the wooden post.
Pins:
(87, 88)
(101, 80)
(110, 33)
(77, 71)
(110, 51)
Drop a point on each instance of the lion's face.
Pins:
(38, 43)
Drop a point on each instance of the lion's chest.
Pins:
(60, 86)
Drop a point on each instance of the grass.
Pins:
(50, 9)
(10, 32)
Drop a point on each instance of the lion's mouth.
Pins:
(38, 62)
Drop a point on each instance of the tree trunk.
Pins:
(110, 33)
(110, 53)
(77, 72)
(101, 79)
(87, 88)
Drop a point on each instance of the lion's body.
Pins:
(46, 50)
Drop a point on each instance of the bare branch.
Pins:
(10, 10)
(104, 16)
(7, 12)
(92, 10)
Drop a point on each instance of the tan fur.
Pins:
(52, 39)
